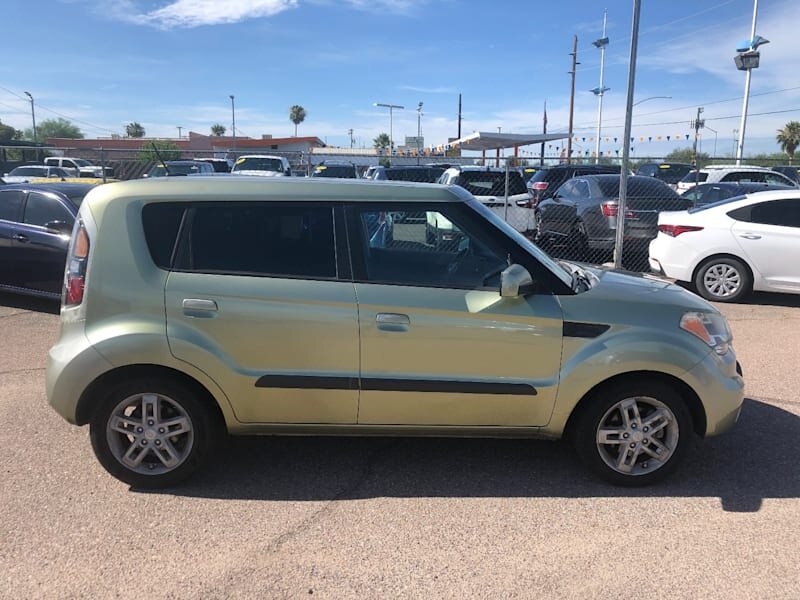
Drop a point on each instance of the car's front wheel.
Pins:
(633, 433)
(723, 279)
(151, 432)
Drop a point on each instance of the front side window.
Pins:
(41, 209)
(435, 248)
(776, 179)
(260, 238)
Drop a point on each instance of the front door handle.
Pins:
(199, 307)
(750, 236)
(21, 238)
(392, 321)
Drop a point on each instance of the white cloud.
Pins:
(196, 13)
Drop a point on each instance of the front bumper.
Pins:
(718, 382)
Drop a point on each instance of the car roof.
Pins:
(260, 156)
(67, 189)
(252, 188)
(179, 162)
(734, 168)
(754, 185)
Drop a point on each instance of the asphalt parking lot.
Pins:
(334, 518)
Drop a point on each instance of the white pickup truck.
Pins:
(77, 167)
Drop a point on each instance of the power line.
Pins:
(685, 121)
(55, 112)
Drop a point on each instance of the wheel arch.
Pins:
(93, 392)
(687, 394)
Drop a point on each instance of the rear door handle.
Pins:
(392, 321)
(199, 307)
(750, 236)
(21, 238)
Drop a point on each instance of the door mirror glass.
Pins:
(515, 281)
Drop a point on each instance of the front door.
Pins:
(258, 300)
(439, 346)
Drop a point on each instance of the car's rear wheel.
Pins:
(151, 432)
(723, 279)
(633, 433)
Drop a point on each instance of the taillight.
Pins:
(75, 278)
(610, 209)
(676, 230)
(539, 185)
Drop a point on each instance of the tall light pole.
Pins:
(350, 133)
(391, 108)
(179, 128)
(651, 98)
(233, 120)
(747, 60)
(574, 55)
(419, 129)
(601, 89)
(714, 131)
(33, 116)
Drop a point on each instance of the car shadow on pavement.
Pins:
(771, 299)
(759, 459)
(34, 303)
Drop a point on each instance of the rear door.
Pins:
(261, 299)
(769, 234)
(439, 346)
(10, 215)
(41, 242)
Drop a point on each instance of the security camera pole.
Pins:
(626, 138)
(747, 60)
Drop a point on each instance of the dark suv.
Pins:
(669, 173)
(547, 180)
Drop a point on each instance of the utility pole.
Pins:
(735, 140)
(544, 132)
(179, 130)
(233, 119)
(459, 117)
(575, 62)
(419, 129)
(33, 117)
(697, 125)
(601, 89)
(350, 133)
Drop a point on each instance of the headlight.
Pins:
(712, 328)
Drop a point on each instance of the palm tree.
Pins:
(218, 129)
(789, 138)
(381, 142)
(134, 130)
(297, 114)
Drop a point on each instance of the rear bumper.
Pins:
(671, 258)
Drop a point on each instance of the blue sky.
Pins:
(166, 63)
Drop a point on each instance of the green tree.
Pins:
(134, 130)
(382, 141)
(167, 150)
(297, 114)
(789, 138)
(218, 129)
(54, 128)
(684, 155)
(7, 132)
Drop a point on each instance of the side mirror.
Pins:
(61, 227)
(515, 281)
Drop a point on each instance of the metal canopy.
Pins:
(487, 140)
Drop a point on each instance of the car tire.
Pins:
(723, 279)
(152, 432)
(648, 421)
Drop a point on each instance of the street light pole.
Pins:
(33, 117)
(179, 127)
(391, 108)
(233, 121)
(350, 133)
(601, 89)
(419, 129)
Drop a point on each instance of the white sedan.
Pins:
(734, 246)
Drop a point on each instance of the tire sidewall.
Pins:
(744, 276)
(585, 432)
(196, 411)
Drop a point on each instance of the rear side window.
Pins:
(10, 203)
(785, 213)
(41, 209)
(744, 176)
(255, 238)
(161, 223)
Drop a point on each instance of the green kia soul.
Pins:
(198, 306)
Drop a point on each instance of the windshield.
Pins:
(175, 169)
(491, 183)
(671, 173)
(693, 176)
(256, 163)
(419, 175)
(82, 163)
(340, 171)
(28, 171)
(527, 245)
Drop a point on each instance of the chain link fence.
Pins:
(572, 211)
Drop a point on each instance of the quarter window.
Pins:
(41, 209)
(267, 239)
(784, 213)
